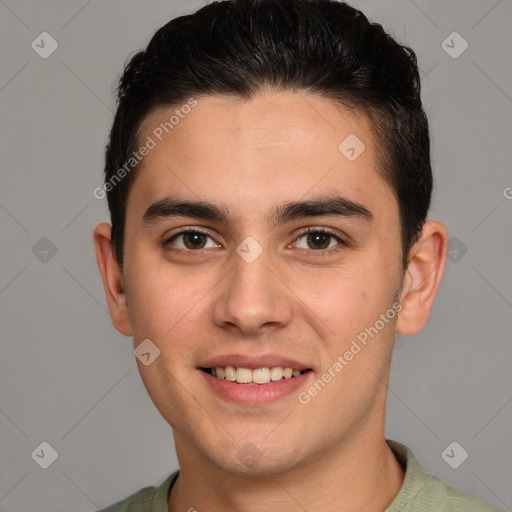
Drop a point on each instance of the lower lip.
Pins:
(255, 394)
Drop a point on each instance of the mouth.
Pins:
(254, 377)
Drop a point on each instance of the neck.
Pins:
(358, 474)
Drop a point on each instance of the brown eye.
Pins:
(192, 240)
(318, 240)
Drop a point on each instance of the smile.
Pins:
(257, 376)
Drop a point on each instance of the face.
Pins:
(253, 241)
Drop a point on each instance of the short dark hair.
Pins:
(243, 47)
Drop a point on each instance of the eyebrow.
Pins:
(328, 206)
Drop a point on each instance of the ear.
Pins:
(426, 264)
(112, 279)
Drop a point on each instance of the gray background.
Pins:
(68, 378)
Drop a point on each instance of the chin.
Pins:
(256, 459)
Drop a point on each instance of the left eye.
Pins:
(318, 240)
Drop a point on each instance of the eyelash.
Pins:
(307, 231)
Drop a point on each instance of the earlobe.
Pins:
(112, 279)
(427, 261)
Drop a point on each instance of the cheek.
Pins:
(167, 308)
(163, 302)
(345, 300)
(344, 310)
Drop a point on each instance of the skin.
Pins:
(249, 157)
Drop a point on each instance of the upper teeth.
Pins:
(257, 376)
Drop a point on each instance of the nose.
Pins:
(251, 298)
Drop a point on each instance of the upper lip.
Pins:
(253, 362)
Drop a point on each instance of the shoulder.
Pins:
(138, 501)
(424, 492)
(439, 496)
(462, 502)
(148, 499)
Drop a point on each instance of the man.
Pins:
(268, 177)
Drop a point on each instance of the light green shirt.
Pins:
(420, 492)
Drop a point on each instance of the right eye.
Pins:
(191, 240)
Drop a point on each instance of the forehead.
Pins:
(267, 123)
(271, 146)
